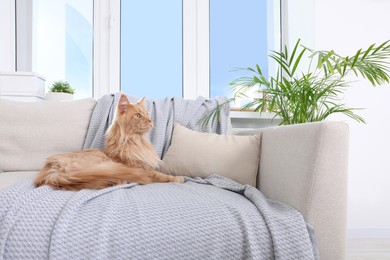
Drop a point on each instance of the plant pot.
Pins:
(58, 96)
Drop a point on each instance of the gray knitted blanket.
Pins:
(164, 113)
(213, 218)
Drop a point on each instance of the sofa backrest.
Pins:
(30, 132)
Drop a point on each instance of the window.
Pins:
(151, 48)
(238, 39)
(145, 48)
(60, 43)
(194, 45)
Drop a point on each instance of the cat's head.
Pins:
(133, 118)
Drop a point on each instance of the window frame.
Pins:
(106, 73)
(106, 46)
(196, 46)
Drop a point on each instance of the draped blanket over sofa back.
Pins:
(164, 113)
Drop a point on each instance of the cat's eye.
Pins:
(138, 115)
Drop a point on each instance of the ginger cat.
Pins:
(128, 156)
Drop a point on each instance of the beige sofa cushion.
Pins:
(8, 179)
(30, 132)
(197, 154)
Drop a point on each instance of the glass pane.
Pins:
(238, 39)
(62, 35)
(151, 48)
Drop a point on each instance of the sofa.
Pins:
(304, 166)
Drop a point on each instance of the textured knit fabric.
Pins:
(214, 218)
(101, 119)
(164, 113)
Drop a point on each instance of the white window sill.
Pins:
(252, 115)
(252, 120)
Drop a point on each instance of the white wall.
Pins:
(346, 26)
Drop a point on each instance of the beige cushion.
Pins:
(30, 132)
(8, 179)
(197, 154)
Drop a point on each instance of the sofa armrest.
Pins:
(306, 167)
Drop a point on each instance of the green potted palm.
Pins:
(60, 90)
(299, 95)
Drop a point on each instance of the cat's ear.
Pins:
(141, 101)
(123, 103)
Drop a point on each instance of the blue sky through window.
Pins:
(238, 38)
(152, 51)
(151, 48)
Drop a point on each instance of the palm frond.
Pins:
(298, 97)
(214, 115)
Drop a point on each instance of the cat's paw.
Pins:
(179, 179)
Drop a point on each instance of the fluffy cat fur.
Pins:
(128, 156)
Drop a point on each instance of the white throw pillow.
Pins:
(30, 132)
(198, 154)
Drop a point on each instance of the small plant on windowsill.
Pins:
(62, 87)
(60, 90)
(300, 96)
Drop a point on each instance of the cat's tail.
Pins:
(99, 176)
